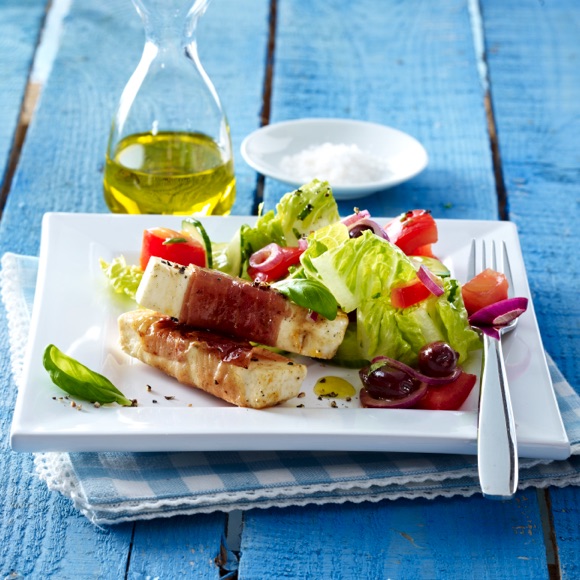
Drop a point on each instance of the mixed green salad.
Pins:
(356, 273)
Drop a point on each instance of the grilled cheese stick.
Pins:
(230, 369)
(213, 300)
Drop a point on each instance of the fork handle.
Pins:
(496, 436)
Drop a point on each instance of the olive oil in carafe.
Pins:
(169, 173)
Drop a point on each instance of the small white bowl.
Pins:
(402, 155)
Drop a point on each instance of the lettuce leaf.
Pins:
(123, 278)
(357, 269)
(298, 213)
(360, 273)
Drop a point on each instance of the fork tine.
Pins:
(478, 261)
(472, 267)
(483, 256)
(507, 270)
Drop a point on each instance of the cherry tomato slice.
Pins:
(181, 249)
(448, 397)
(412, 230)
(272, 262)
(488, 287)
(408, 294)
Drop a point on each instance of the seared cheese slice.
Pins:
(163, 287)
(236, 371)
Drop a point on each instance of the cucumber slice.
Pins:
(434, 265)
(227, 257)
(194, 228)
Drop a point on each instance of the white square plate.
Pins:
(75, 310)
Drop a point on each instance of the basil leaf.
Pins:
(309, 294)
(79, 381)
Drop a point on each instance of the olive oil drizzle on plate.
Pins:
(334, 387)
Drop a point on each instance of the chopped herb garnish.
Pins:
(305, 212)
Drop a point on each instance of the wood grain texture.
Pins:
(183, 547)
(566, 518)
(20, 23)
(533, 54)
(409, 65)
(455, 538)
(61, 170)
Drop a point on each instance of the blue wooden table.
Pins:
(490, 87)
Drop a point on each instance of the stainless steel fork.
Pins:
(497, 454)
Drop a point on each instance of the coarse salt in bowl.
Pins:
(339, 164)
(356, 157)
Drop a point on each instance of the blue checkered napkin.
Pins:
(115, 487)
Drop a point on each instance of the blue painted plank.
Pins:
(533, 67)
(566, 518)
(409, 65)
(450, 538)
(61, 169)
(20, 23)
(181, 547)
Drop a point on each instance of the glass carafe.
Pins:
(170, 149)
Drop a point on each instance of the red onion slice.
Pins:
(500, 313)
(430, 280)
(353, 218)
(432, 381)
(367, 400)
(370, 224)
(312, 315)
(267, 257)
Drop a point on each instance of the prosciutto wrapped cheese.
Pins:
(209, 299)
(234, 370)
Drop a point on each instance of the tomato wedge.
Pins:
(408, 294)
(448, 397)
(488, 287)
(413, 230)
(272, 262)
(168, 244)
